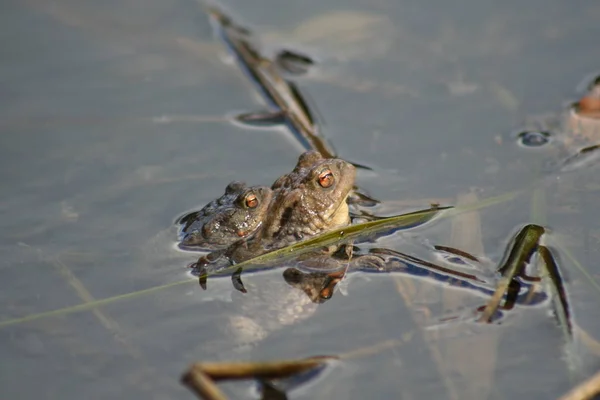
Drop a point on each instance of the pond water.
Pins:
(116, 120)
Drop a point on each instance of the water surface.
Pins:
(115, 120)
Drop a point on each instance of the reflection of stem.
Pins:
(407, 290)
(448, 349)
(563, 311)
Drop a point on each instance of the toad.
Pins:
(223, 221)
(305, 202)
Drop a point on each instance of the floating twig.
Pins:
(585, 390)
(201, 377)
(281, 94)
(202, 385)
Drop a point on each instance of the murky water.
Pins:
(116, 120)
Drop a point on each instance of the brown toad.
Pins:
(223, 221)
(309, 200)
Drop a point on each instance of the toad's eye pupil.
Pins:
(251, 201)
(326, 179)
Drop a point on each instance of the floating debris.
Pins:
(201, 377)
(282, 95)
(533, 138)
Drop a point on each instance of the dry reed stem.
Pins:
(201, 384)
(585, 390)
(201, 377)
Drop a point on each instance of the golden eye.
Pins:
(251, 201)
(326, 178)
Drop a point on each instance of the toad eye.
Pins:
(251, 201)
(326, 178)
